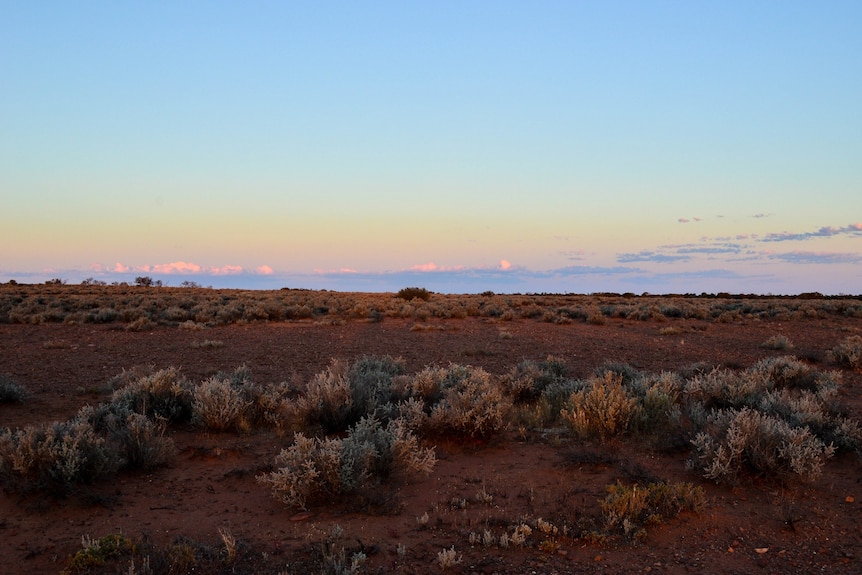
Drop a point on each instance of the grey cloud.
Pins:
(593, 270)
(712, 249)
(824, 232)
(650, 256)
(817, 258)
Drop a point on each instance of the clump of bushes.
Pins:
(164, 393)
(460, 400)
(631, 507)
(528, 380)
(411, 293)
(97, 552)
(371, 453)
(848, 353)
(54, 457)
(777, 342)
(343, 394)
(748, 440)
(602, 409)
(11, 391)
(226, 401)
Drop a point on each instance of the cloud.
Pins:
(505, 265)
(593, 271)
(761, 215)
(575, 255)
(176, 268)
(683, 220)
(824, 232)
(264, 270)
(226, 270)
(800, 257)
(651, 256)
(717, 248)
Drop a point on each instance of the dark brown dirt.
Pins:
(752, 528)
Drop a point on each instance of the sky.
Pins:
(516, 147)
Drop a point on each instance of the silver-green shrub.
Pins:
(345, 393)
(220, 405)
(54, 457)
(603, 409)
(10, 391)
(165, 394)
(735, 441)
(371, 453)
(464, 400)
(529, 379)
(848, 353)
(142, 442)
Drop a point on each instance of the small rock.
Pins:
(761, 550)
(849, 499)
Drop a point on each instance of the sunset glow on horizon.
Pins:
(553, 147)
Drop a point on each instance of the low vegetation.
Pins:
(146, 304)
(11, 391)
(359, 428)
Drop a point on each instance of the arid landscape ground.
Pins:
(205, 511)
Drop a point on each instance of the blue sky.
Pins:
(510, 146)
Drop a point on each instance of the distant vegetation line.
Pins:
(148, 304)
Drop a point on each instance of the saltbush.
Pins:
(371, 453)
(165, 394)
(848, 353)
(739, 441)
(462, 400)
(219, 405)
(410, 293)
(602, 409)
(630, 507)
(343, 394)
(54, 457)
(10, 391)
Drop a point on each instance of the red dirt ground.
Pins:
(211, 482)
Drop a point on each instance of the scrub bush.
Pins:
(411, 293)
(630, 507)
(371, 453)
(10, 391)
(343, 394)
(603, 409)
(745, 440)
(54, 457)
(163, 394)
(219, 405)
(848, 353)
(462, 400)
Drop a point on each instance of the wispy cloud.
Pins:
(824, 232)
(574, 255)
(800, 257)
(716, 248)
(651, 256)
(592, 271)
(177, 268)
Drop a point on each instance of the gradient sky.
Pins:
(459, 146)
